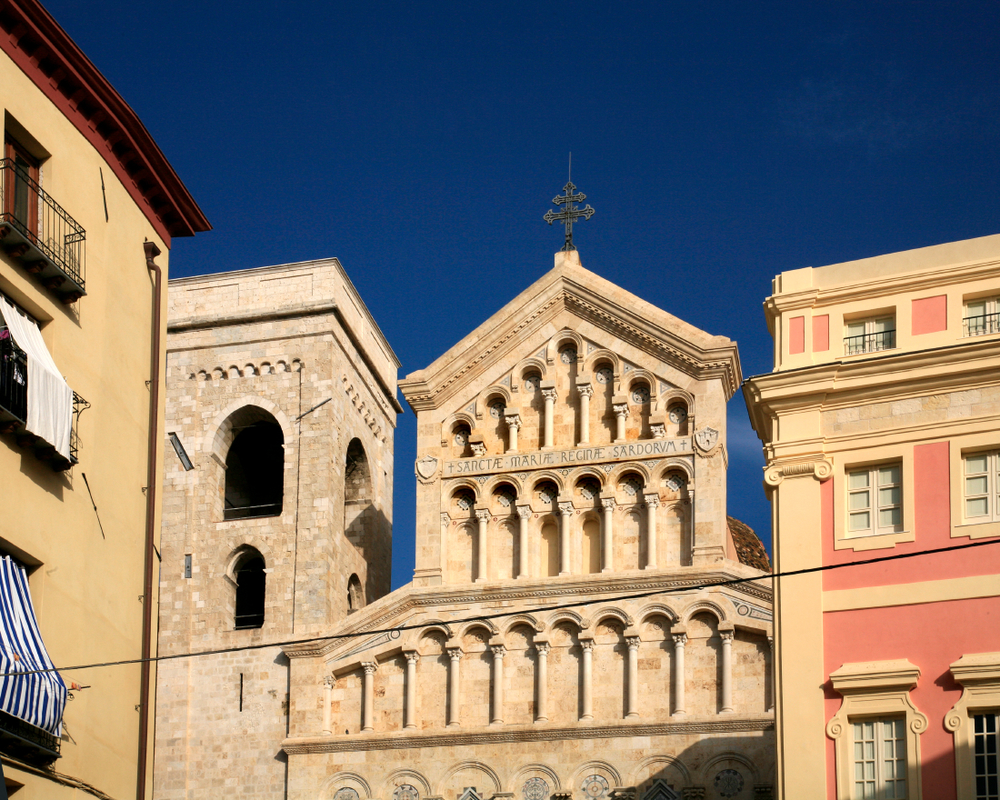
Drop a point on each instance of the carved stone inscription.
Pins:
(579, 455)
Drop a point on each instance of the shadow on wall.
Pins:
(366, 526)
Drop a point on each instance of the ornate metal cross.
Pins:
(569, 214)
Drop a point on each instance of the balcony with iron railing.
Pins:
(981, 325)
(869, 343)
(38, 232)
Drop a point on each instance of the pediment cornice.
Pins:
(593, 300)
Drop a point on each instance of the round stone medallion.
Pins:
(640, 394)
(532, 381)
(605, 375)
(728, 783)
(405, 791)
(497, 407)
(595, 786)
(567, 355)
(346, 793)
(678, 414)
(535, 789)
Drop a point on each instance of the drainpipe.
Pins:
(152, 251)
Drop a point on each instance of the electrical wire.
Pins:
(395, 632)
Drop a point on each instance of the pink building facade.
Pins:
(881, 432)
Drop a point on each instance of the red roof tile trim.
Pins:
(47, 55)
(749, 549)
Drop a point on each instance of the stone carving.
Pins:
(550, 394)
(706, 439)
(405, 791)
(535, 789)
(566, 508)
(478, 449)
(546, 494)
(470, 793)
(426, 468)
(497, 408)
(658, 429)
(589, 490)
(640, 394)
(506, 497)
(660, 790)
(595, 786)
(567, 355)
(464, 501)
(729, 783)
(585, 390)
(631, 486)
(676, 481)
(604, 375)
(678, 414)
(346, 793)
(532, 381)
(461, 437)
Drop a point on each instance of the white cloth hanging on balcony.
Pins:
(50, 400)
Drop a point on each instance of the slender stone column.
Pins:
(652, 503)
(680, 639)
(328, 684)
(771, 681)
(455, 654)
(410, 718)
(498, 654)
(587, 646)
(620, 405)
(586, 392)
(565, 514)
(542, 680)
(523, 515)
(368, 717)
(513, 426)
(607, 533)
(633, 677)
(727, 671)
(483, 515)
(549, 393)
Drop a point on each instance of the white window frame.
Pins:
(881, 778)
(990, 310)
(869, 326)
(876, 690)
(979, 676)
(991, 493)
(877, 504)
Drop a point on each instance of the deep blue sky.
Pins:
(721, 143)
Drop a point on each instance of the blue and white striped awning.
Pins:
(36, 697)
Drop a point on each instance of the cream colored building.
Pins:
(88, 209)
(561, 636)
(881, 430)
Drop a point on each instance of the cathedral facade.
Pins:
(584, 620)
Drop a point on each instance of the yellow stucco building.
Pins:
(88, 209)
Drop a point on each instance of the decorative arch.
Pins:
(402, 776)
(588, 471)
(705, 606)
(497, 480)
(620, 470)
(341, 779)
(493, 393)
(590, 767)
(567, 615)
(547, 475)
(708, 770)
(525, 772)
(478, 623)
(634, 778)
(475, 765)
(657, 610)
(672, 465)
(610, 611)
(640, 374)
(602, 354)
(219, 435)
(522, 619)
(529, 365)
(568, 337)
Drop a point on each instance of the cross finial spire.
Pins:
(570, 213)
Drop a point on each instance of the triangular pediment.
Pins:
(571, 298)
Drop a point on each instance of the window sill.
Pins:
(873, 541)
(976, 530)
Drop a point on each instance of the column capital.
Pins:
(680, 639)
(412, 656)
(632, 642)
(542, 648)
(566, 507)
(370, 667)
(550, 393)
(727, 636)
(445, 518)
(455, 653)
(483, 514)
(587, 644)
(524, 512)
(329, 681)
(608, 503)
(620, 409)
(498, 650)
(652, 500)
(585, 389)
(513, 419)
(816, 467)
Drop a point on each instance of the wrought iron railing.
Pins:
(869, 342)
(13, 378)
(25, 741)
(250, 512)
(47, 239)
(79, 406)
(981, 325)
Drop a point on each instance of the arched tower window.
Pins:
(250, 590)
(358, 506)
(355, 594)
(255, 471)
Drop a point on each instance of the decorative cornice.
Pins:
(58, 67)
(494, 735)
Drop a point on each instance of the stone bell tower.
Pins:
(277, 512)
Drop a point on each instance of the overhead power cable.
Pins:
(395, 632)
